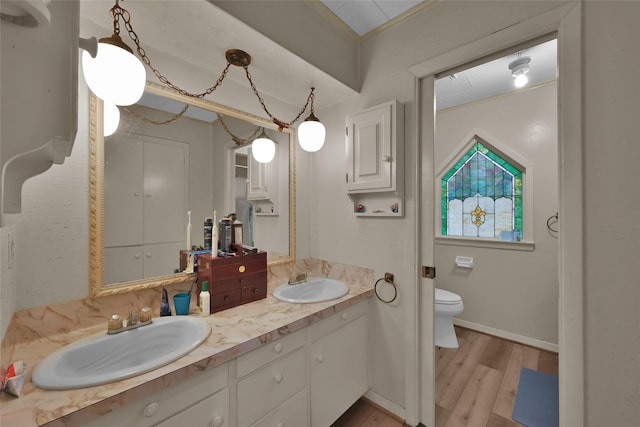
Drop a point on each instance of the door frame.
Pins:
(566, 22)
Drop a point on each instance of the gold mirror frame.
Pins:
(96, 193)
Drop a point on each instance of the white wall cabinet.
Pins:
(146, 188)
(262, 187)
(375, 159)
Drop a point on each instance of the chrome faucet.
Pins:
(298, 278)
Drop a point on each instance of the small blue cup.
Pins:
(181, 302)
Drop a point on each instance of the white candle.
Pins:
(214, 235)
(189, 231)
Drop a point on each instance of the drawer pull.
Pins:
(151, 409)
(344, 316)
(320, 358)
(256, 290)
(277, 378)
(278, 347)
(217, 422)
(227, 298)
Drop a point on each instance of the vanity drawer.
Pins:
(293, 413)
(239, 281)
(271, 386)
(253, 360)
(255, 292)
(223, 300)
(337, 320)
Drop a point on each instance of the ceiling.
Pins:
(364, 16)
(203, 33)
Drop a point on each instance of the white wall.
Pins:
(508, 290)
(611, 212)
(387, 245)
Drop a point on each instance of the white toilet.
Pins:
(447, 306)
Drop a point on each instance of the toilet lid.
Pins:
(446, 297)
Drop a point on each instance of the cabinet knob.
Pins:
(386, 159)
(320, 358)
(137, 194)
(344, 316)
(280, 425)
(277, 378)
(151, 409)
(148, 194)
(278, 347)
(217, 422)
(227, 298)
(137, 256)
(148, 254)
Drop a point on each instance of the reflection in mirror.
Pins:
(147, 177)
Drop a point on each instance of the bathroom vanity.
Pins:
(315, 373)
(265, 363)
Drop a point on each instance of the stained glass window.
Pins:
(482, 196)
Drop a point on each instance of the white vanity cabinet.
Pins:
(272, 384)
(337, 363)
(200, 401)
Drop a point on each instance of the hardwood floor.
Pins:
(476, 384)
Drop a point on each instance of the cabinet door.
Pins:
(160, 259)
(123, 191)
(122, 264)
(257, 187)
(338, 368)
(371, 149)
(165, 191)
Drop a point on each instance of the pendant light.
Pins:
(117, 76)
(111, 118)
(263, 148)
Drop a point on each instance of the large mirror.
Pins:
(150, 176)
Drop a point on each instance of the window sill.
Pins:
(485, 243)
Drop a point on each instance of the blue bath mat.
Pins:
(537, 399)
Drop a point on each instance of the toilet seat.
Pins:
(446, 297)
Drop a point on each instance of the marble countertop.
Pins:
(233, 332)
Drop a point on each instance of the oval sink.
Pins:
(101, 358)
(313, 290)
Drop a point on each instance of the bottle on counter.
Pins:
(205, 299)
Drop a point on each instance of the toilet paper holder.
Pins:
(464, 261)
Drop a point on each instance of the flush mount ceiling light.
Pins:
(519, 69)
(116, 75)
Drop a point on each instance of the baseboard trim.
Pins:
(543, 345)
(385, 405)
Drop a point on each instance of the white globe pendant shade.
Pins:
(114, 75)
(111, 118)
(263, 149)
(311, 134)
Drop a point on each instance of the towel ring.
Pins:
(395, 289)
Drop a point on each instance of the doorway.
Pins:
(566, 21)
(495, 153)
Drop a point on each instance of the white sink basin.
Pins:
(101, 358)
(313, 290)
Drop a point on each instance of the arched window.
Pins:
(482, 196)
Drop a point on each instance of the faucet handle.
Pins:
(145, 314)
(115, 322)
